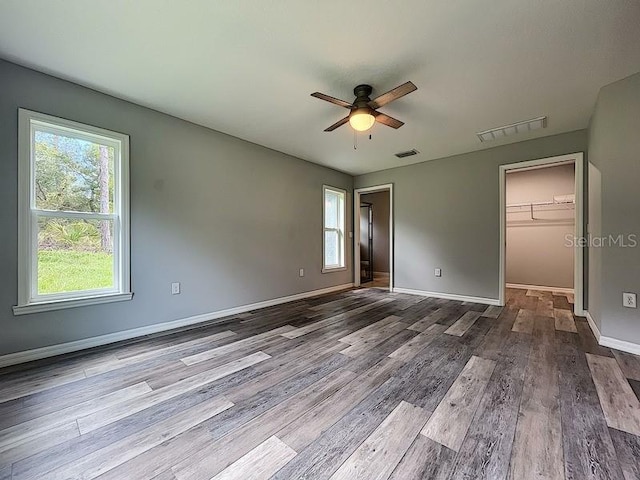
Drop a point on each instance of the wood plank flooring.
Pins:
(359, 384)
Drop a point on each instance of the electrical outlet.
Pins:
(302, 272)
(438, 272)
(175, 288)
(629, 300)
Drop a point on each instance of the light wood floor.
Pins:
(362, 384)
(378, 282)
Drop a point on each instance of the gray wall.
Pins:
(220, 215)
(537, 252)
(446, 215)
(380, 202)
(614, 149)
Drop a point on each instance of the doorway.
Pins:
(542, 222)
(373, 249)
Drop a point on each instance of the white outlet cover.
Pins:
(175, 288)
(302, 272)
(438, 272)
(629, 300)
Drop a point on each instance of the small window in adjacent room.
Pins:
(334, 242)
(73, 237)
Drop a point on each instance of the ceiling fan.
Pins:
(364, 110)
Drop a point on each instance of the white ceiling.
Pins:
(247, 67)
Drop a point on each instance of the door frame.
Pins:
(579, 231)
(356, 229)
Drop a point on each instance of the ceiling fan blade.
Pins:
(387, 120)
(392, 95)
(333, 100)
(339, 123)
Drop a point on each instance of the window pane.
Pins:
(72, 174)
(74, 255)
(331, 250)
(331, 210)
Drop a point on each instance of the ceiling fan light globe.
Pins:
(361, 120)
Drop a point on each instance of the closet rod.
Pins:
(537, 204)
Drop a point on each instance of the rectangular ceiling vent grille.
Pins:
(512, 129)
(408, 153)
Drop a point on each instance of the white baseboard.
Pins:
(59, 349)
(594, 327)
(542, 288)
(449, 296)
(621, 345)
(610, 342)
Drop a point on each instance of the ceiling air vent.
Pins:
(512, 129)
(408, 153)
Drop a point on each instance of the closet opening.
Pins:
(543, 230)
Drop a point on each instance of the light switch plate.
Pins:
(175, 288)
(438, 272)
(629, 300)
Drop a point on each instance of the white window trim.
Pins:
(343, 243)
(27, 302)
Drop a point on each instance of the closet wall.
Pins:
(537, 249)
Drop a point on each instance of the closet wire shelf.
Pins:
(559, 203)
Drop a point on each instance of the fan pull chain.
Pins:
(355, 140)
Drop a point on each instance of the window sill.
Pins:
(70, 303)
(335, 269)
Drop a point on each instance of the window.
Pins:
(73, 237)
(334, 222)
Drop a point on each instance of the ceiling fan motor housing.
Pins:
(362, 93)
